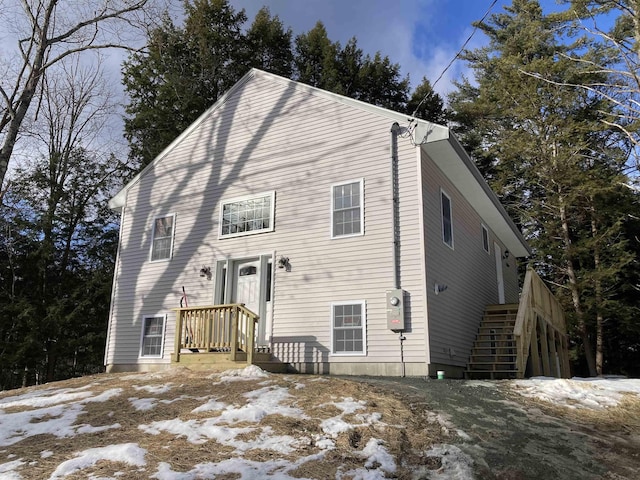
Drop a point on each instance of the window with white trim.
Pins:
(447, 222)
(247, 215)
(485, 238)
(348, 328)
(162, 237)
(346, 209)
(152, 339)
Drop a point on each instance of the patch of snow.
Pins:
(377, 454)
(349, 405)
(456, 465)
(196, 431)
(250, 372)
(463, 435)
(143, 404)
(105, 396)
(324, 443)
(129, 453)
(592, 393)
(284, 444)
(58, 420)
(46, 454)
(246, 469)
(8, 470)
(334, 426)
(46, 401)
(211, 406)
(154, 389)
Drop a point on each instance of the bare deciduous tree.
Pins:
(46, 32)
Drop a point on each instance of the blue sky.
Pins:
(421, 35)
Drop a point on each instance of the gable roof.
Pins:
(436, 141)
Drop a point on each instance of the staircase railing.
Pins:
(540, 329)
(229, 327)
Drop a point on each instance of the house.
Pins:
(358, 240)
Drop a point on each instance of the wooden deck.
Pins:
(219, 337)
(524, 339)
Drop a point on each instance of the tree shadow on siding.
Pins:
(204, 162)
(304, 354)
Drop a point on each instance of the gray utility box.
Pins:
(395, 309)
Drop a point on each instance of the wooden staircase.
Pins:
(494, 353)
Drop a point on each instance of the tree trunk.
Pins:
(575, 292)
(598, 292)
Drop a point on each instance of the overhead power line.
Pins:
(464, 45)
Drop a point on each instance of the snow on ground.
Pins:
(594, 393)
(57, 411)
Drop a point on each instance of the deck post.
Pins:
(234, 333)
(178, 336)
(544, 347)
(535, 348)
(555, 367)
(251, 328)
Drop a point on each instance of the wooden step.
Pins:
(494, 351)
(506, 307)
(498, 321)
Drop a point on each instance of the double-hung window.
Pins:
(247, 215)
(347, 209)
(162, 237)
(348, 328)
(447, 222)
(152, 336)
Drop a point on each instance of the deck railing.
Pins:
(216, 328)
(540, 330)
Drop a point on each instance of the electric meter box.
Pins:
(395, 309)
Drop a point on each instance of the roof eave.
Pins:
(449, 155)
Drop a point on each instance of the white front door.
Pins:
(247, 284)
(499, 274)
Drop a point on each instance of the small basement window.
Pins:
(152, 336)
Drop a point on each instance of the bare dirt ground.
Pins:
(510, 437)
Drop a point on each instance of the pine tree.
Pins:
(552, 161)
(183, 72)
(427, 104)
(268, 45)
(315, 59)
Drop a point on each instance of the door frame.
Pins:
(225, 285)
(499, 273)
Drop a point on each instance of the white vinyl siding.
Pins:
(252, 144)
(469, 273)
(346, 209)
(485, 238)
(348, 328)
(247, 215)
(447, 221)
(162, 237)
(152, 341)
